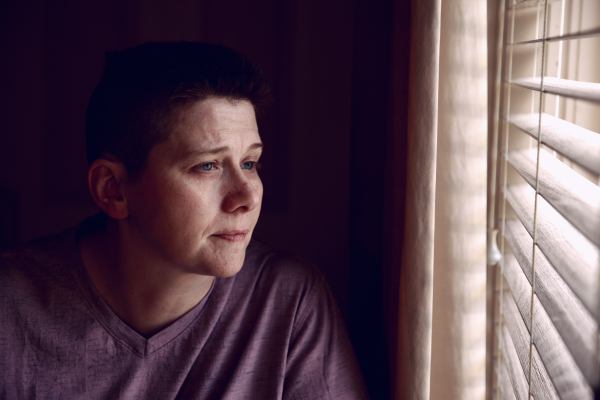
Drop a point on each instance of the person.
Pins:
(163, 294)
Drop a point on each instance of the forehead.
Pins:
(213, 122)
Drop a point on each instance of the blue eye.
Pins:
(249, 165)
(207, 166)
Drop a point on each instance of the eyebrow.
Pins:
(217, 150)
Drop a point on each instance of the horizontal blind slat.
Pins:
(558, 361)
(540, 380)
(516, 375)
(568, 36)
(541, 384)
(573, 322)
(506, 386)
(519, 288)
(521, 198)
(517, 332)
(571, 254)
(572, 195)
(576, 89)
(520, 4)
(580, 145)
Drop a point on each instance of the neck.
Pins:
(146, 293)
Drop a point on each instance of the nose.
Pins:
(243, 193)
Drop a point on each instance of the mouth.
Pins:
(232, 236)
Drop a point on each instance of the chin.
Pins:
(228, 269)
(217, 262)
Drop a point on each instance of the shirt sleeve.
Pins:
(321, 363)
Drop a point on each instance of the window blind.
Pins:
(547, 292)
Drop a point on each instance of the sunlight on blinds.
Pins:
(547, 286)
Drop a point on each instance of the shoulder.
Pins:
(38, 262)
(319, 359)
(280, 283)
(280, 270)
(38, 291)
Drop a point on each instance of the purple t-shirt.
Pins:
(270, 332)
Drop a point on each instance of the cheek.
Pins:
(182, 223)
(259, 186)
(175, 208)
(259, 190)
(191, 209)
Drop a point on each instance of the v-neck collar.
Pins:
(119, 329)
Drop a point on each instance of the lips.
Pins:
(232, 236)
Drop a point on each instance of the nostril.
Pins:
(243, 198)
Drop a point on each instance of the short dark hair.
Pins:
(131, 110)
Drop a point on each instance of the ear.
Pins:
(105, 183)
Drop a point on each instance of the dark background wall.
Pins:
(326, 135)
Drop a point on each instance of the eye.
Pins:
(249, 165)
(207, 166)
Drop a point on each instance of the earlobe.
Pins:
(105, 180)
